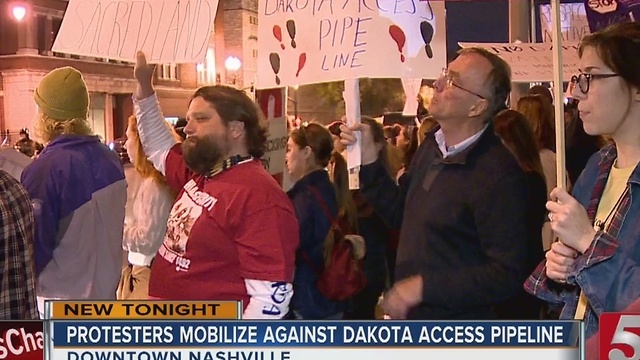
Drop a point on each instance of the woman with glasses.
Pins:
(595, 265)
(308, 154)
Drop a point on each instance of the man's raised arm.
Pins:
(155, 136)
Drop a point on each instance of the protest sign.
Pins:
(573, 21)
(533, 62)
(168, 31)
(602, 13)
(272, 103)
(311, 41)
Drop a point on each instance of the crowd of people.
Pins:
(457, 216)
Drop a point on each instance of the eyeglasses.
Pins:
(584, 80)
(449, 83)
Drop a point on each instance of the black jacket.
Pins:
(463, 226)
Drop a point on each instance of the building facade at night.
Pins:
(26, 56)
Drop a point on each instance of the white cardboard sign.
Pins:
(272, 103)
(168, 31)
(312, 41)
(533, 62)
(573, 21)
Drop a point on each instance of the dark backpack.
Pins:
(342, 276)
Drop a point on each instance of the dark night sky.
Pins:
(480, 21)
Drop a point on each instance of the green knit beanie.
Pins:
(62, 94)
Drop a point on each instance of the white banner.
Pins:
(273, 159)
(573, 21)
(168, 31)
(533, 62)
(312, 41)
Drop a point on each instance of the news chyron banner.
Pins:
(211, 331)
(119, 330)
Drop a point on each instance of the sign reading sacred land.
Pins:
(312, 41)
(168, 31)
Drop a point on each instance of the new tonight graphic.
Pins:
(301, 334)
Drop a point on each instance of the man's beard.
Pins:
(201, 154)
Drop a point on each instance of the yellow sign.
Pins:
(146, 310)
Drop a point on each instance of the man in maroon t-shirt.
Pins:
(232, 233)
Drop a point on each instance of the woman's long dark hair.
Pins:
(339, 175)
(539, 113)
(410, 132)
(516, 133)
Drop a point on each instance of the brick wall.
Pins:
(188, 76)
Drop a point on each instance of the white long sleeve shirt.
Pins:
(145, 222)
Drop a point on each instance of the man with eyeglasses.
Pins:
(461, 208)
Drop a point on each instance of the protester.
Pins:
(149, 201)
(25, 144)
(458, 263)
(594, 267)
(309, 150)
(232, 232)
(538, 111)
(17, 277)
(13, 162)
(516, 133)
(78, 189)
(381, 240)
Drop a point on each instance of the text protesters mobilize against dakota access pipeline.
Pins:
(156, 330)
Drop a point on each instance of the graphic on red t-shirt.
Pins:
(183, 215)
(222, 230)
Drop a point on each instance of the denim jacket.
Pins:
(609, 270)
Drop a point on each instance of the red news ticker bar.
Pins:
(21, 340)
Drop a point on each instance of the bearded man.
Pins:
(232, 233)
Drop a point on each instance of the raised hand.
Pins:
(143, 73)
(368, 146)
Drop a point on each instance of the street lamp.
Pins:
(19, 12)
(232, 64)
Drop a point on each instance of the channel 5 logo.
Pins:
(620, 336)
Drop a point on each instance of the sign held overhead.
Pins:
(168, 31)
(312, 41)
